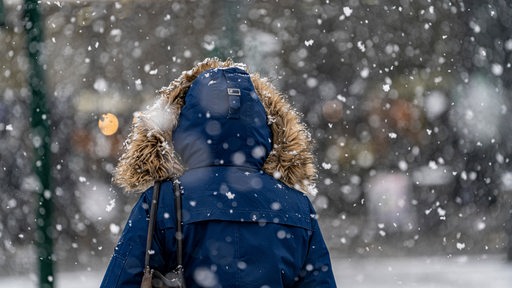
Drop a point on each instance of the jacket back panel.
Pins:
(242, 228)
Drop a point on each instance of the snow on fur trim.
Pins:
(148, 154)
(291, 159)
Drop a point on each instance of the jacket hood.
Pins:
(217, 114)
(222, 122)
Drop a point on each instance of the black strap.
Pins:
(179, 219)
(152, 220)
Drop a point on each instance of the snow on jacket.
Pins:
(244, 161)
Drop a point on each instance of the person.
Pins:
(245, 165)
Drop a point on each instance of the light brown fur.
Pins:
(149, 155)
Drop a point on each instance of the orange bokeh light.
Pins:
(108, 124)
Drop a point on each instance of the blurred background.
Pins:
(408, 102)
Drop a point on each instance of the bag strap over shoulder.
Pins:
(152, 221)
(179, 220)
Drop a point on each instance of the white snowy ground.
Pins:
(418, 272)
(424, 272)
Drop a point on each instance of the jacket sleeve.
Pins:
(317, 269)
(126, 266)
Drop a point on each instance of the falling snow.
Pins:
(347, 11)
(408, 106)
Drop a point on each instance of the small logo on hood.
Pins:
(234, 91)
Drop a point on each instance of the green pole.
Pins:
(41, 140)
(2, 14)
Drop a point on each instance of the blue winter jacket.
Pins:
(242, 227)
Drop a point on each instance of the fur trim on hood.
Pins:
(148, 153)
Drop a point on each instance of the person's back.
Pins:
(243, 223)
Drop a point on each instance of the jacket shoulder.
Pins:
(231, 194)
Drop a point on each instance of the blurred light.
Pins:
(365, 159)
(388, 197)
(436, 104)
(108, 124)
(332, 110)
(476, 113)
(433, 175)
